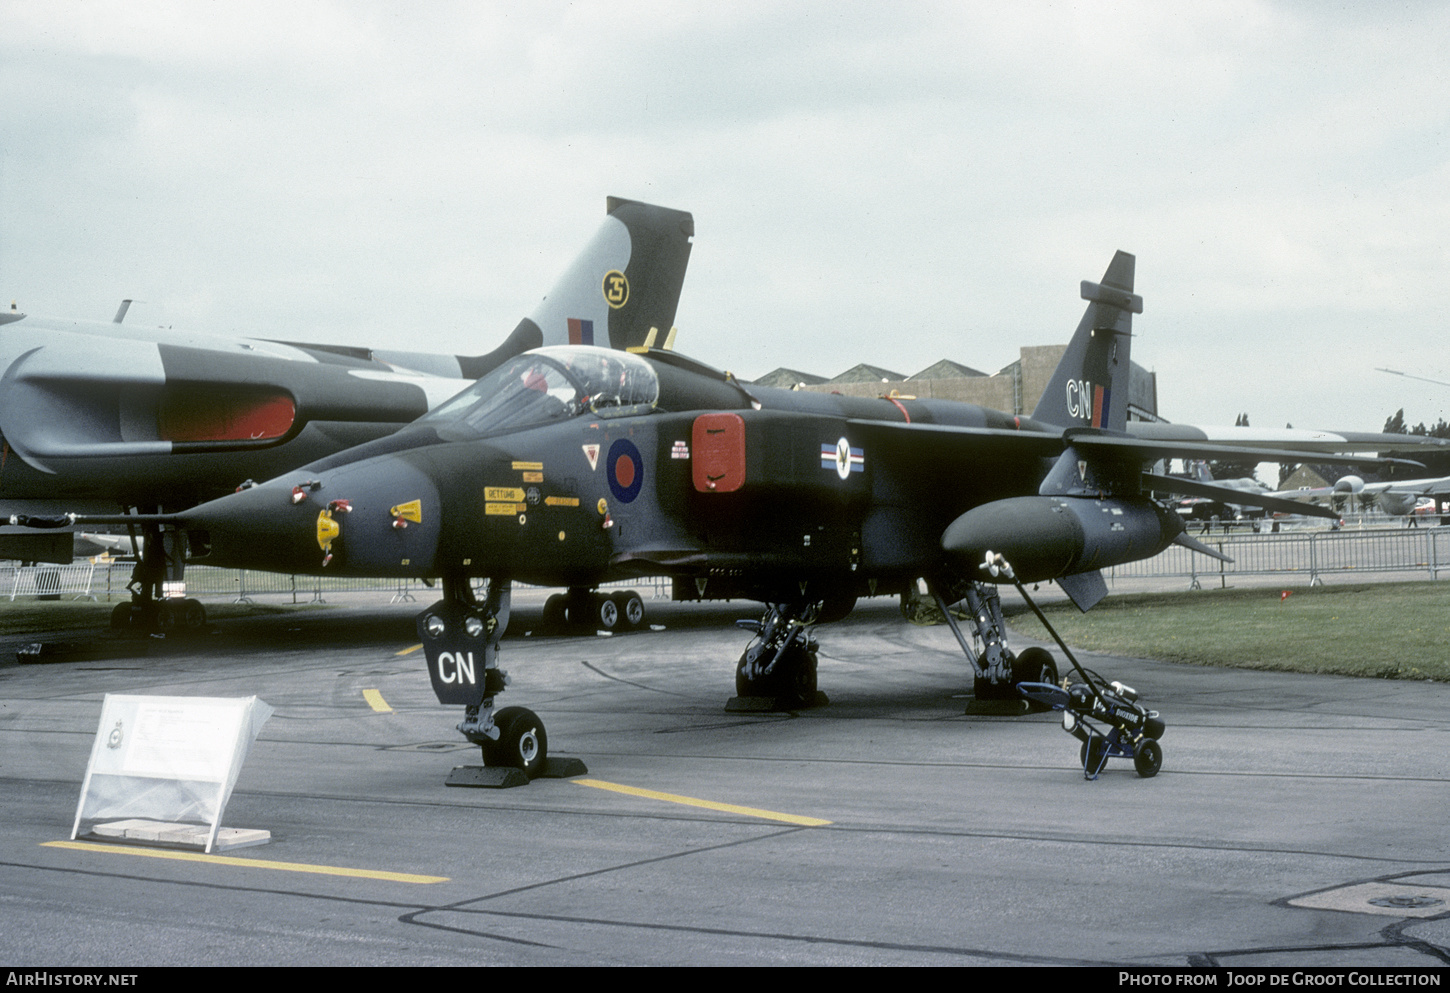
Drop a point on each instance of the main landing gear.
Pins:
(161, 563)
(778, 668)
(591, 610)
(461, 640)
(997, 672)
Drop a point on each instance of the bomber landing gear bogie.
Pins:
(140, 618)
(585, 610)
(631, 608)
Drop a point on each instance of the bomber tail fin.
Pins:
(627, 280)
(1090, 386)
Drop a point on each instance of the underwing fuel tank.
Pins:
(1045, 537)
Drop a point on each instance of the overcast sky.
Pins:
(891, 183)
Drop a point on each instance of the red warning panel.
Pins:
(196, 413)
(718, 459)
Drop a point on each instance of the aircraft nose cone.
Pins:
(378, 517)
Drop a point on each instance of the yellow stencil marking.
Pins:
(375, 700)
(409, 651)
(410, 511)
(689, 801)
(321, 870)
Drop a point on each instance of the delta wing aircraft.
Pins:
(104, 417)
(570, 466)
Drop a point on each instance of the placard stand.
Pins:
(163, 768)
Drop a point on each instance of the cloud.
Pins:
(890, 185)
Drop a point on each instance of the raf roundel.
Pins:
(843, 458)
(625, 470)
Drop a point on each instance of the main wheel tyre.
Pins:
(630, 607)
(193, 615)
(1148, 758)
(800, 678)
(121, 619)
(553, 618)
(794, 677)
(1093, 755)
(1034, 665)
(606, 613)
(522, 741)
(169, 615)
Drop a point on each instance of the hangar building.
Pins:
(1015, 388)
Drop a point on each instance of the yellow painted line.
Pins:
(321, 870)
(410, 651)
(689, 801)
(375, 700)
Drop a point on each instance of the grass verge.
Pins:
(1384, 630)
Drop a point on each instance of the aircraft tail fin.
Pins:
(626, 281)
(1090, 386)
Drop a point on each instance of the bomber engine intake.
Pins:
(1045, 537)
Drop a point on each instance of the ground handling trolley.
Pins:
(1107, 719)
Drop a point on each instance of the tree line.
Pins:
(1436, 464)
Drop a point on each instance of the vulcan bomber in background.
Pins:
(112, 419)
(573, 465)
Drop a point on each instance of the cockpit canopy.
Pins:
(543, 385)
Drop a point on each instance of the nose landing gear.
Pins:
(461, 641)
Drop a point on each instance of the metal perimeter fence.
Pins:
(106, 581)
(1307, 556)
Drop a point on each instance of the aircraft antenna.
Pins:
(1396, 372)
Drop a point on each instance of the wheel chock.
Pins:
(489, 777)
(772, 704)
(502, 777)
(556, 768)
(998, 708)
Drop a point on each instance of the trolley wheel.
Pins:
(1148, 758)
(1094, 756)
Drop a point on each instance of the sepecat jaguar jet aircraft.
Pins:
(570, 466)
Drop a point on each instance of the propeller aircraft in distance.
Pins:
(571, 466)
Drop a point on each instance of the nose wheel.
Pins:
(522, 743)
